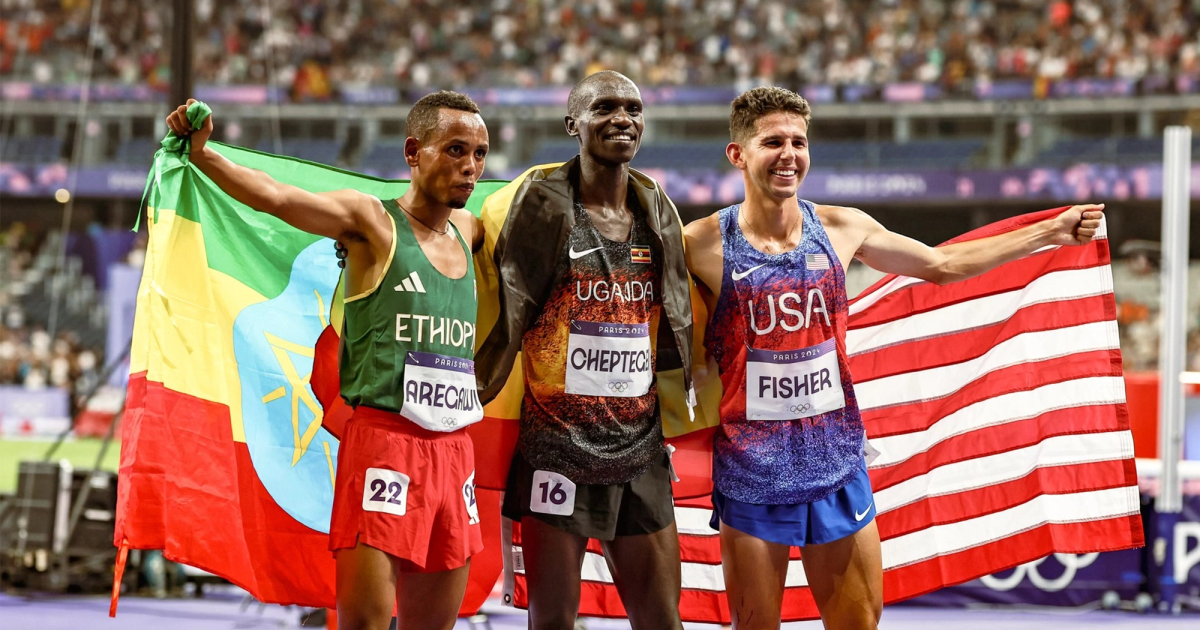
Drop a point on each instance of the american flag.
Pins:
(816, 262)
(997, 405)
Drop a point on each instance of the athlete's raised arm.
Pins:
(341, 214)
(894, 253)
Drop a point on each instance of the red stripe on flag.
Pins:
(1000, 438)
(187, 488)
(961, 506)
(999, 555)
(918, 416)
(932, 352)
(926, 296)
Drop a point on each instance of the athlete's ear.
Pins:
(572, 126)
(733, 151)
(412, 151)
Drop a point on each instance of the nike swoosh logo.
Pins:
(574, 254)
(860, 517)
(738, 275)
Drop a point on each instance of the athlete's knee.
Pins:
(864, 617)
(661, 617)
(363, 618)
(551, 618)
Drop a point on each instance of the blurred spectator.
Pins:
(312, 47)
(28, 355)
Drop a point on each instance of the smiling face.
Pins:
(446, 166)
(607, 119)
(774, 160)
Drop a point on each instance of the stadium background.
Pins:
(933, 116)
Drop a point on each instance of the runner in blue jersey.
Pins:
(789, 465)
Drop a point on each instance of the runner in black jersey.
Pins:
(591, 462)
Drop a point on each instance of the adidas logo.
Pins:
(412, 284)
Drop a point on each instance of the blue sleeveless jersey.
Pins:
(791, 431)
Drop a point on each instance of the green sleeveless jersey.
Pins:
(408, 343)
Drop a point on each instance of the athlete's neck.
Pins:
(768, 217)
(425, 209)
(602, 185)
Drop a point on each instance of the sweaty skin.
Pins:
(846, 575)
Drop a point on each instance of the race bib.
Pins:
(385, 491)
(552, 494)
(440, 392)
(468, 492)
(609, 359)
(791, 384)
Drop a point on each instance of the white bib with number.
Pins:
(552, 494)
(792, 384)
(609, 359)
(468, 491)
(385, 491)
(440, 393)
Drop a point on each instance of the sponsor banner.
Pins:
(26, 413)
(1077, 183)
(676, 95)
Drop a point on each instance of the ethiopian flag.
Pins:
(227, 454)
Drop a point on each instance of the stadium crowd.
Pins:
(29, 355)
(316, 46)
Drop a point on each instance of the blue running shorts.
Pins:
(836, 516)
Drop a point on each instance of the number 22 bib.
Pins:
(792, 384)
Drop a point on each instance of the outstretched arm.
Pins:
(893, 253)
(341, 215)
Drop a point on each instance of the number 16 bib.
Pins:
(608, 359)
(792, 384)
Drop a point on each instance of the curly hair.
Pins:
(753, 104)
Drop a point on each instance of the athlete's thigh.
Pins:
(846, 578)
(366, 588)
(755, 572)
(430, 601)
(646, 571)
(553, 559)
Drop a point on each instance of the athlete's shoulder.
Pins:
(836, 216)
(702, 231)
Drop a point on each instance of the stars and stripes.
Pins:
(997, 405)
(816, 262)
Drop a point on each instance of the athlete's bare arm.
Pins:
(705, 256)
(854, 234)
(344, 215)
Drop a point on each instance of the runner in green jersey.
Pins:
(405, 522)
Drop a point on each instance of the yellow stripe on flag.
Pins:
(192, 355)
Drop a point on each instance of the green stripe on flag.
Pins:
(255, 248)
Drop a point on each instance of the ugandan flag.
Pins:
(227, 454)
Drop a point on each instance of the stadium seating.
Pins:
(314, 150)
(31, 149)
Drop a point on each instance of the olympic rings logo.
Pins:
(448, 421)
(1071, 564)
(618, 387)
(801, 408)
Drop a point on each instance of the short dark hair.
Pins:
(423, 117)
(753, 104)
(578, 99)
